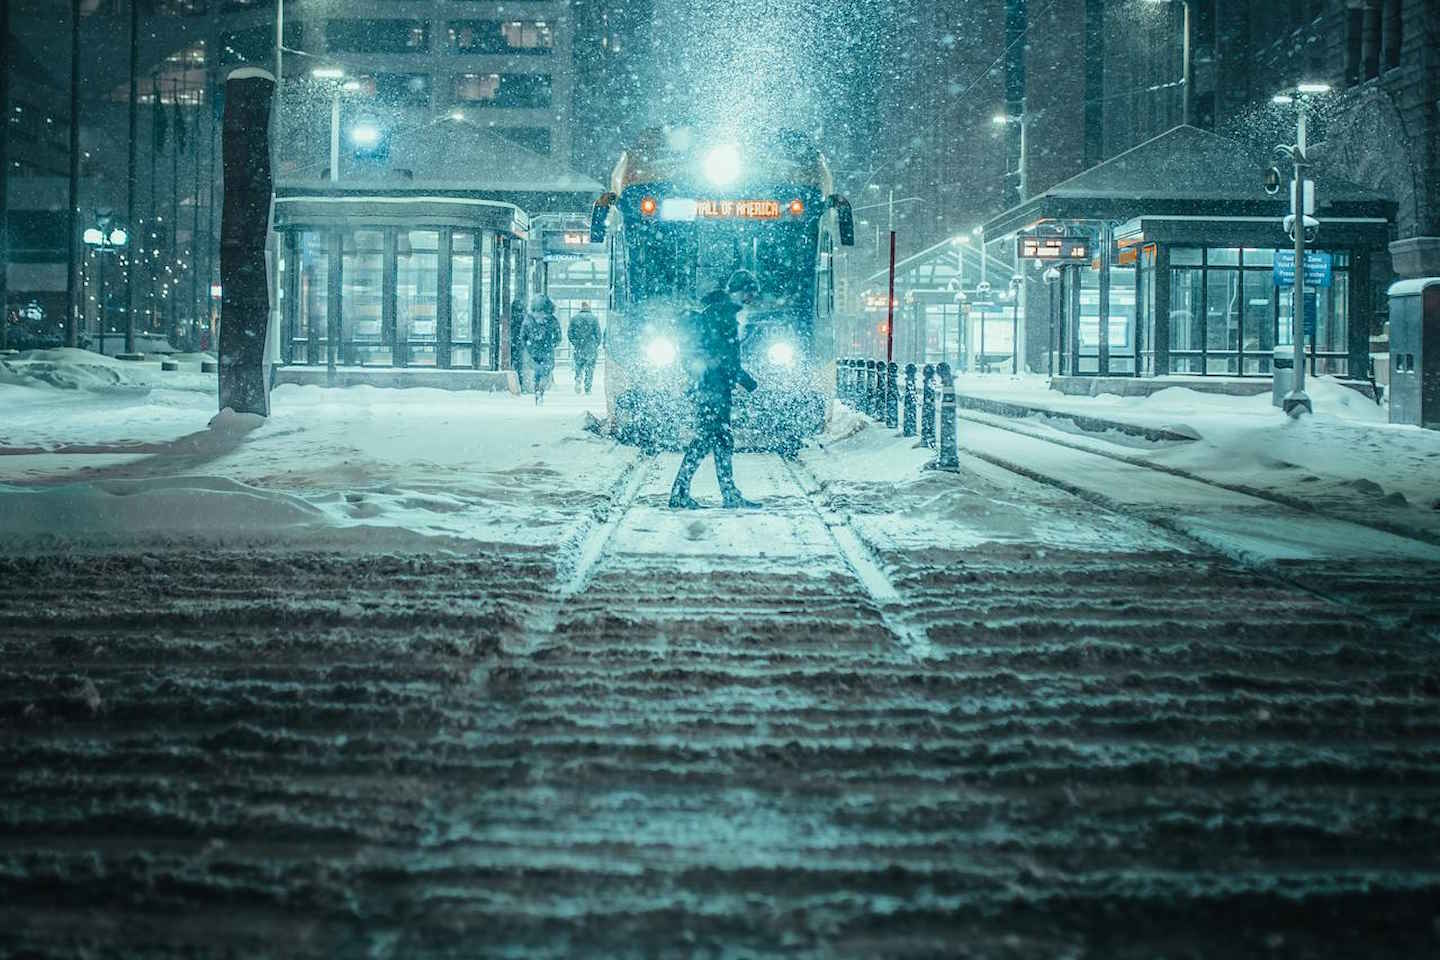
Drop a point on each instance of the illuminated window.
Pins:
(501, 36)
(506, 90)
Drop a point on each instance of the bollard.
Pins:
(852, 388)
(927, 408)
(949, 457)
(839, 379)
(892, 395)
(909, 428)
(870, 388)
(877, 399)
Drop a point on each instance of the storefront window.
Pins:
(417, 294)
(362, 273)
(312, 314)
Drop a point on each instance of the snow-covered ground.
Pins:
(96, 452)
(891, 711)
(1346, 456)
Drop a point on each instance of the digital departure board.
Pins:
(1066, 249)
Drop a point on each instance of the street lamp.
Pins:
(103, 238)
(1186, 62)
(1297, 402)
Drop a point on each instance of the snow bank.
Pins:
(69, 368)
(358, 467)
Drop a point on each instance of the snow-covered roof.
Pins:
(1185, 170)
(441, 155)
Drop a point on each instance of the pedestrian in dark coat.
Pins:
(717, 365)
(541, 336)
(517, 341)
(584, 337)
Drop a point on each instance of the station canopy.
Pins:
(938, 272)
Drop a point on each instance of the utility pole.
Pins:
(72, 333)
(132, 182)
(1187, 77)
(4, 173)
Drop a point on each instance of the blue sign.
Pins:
(1317, 268)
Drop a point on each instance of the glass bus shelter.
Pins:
(398, 281)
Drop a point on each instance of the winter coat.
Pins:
(715, 356)
(540, 335)
(584, 335)
(517, 321)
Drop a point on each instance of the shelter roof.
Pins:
(1184, 171)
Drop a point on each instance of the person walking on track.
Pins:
(716, 365)
(541, 335)
(517, 339)
(584, 335)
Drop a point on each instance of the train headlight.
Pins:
(782, 354)
(660, 352)
(722, 164)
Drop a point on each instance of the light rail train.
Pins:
(682, 214)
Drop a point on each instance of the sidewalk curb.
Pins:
(1006, 408)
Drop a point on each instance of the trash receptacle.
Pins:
(1282, 362)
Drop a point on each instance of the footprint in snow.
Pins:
(695, 529)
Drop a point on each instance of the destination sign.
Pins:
(737, 209)
(1069, 249)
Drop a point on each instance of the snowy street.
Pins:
(416, 672)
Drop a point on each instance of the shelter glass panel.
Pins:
(362, 272)
(1087, 330)
(1187, 321)
(1332, 327)
(1258, 319)
(313, 302)
(1121, 329)
(1222, 321)
(417, 293)
(462, 298)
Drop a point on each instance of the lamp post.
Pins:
(103, 238)
(1296, 403)
(1018, 119)
(957, 287)
(1016, 283)
(337, 78)
(1052, 278)
(1187, 61)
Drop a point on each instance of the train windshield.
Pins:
(691, 259)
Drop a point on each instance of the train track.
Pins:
(1408, 532)
(1382, 581)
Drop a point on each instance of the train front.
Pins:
(688, 219)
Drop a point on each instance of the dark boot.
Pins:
(725, 474)
(680, 498)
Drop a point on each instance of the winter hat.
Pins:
(742, 281)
